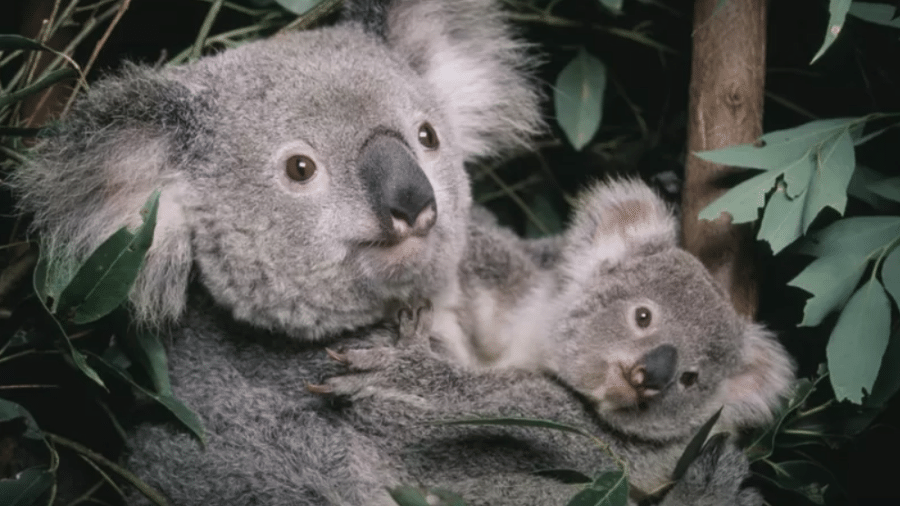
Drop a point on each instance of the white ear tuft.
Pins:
(752, 395)
(615, 220)
(466, 50)
(98, 168)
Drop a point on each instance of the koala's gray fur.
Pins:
(568, 307)
(251, 273)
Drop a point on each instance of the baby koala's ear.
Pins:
(618, 219)
(765, 375)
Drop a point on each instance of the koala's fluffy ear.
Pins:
(765, 376)
(615, 220)
(95, 170)
(466, 50)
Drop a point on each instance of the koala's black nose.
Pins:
(655, 370)
(398, 189)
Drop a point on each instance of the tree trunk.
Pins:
(725, 108)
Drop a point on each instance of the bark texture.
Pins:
(725, 108)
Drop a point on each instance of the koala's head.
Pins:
(307, 180)
(644, 331)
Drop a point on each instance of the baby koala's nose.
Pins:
(654, 371)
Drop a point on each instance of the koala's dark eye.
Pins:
(688, 378)
(300, 168)
(428, 137)
(643, 317)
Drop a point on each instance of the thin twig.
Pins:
(127, 475)
(197, 48)
(100, 43)
(316, 13)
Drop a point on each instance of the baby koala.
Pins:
(623, 316)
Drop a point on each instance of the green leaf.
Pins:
(613, 5)
(835, 161)
(862, 184)
(859, 235)
(544, 210)
(45, 81)
(405, 495)
(888, 382)
(26, 488)
(518, 422)
(609, 489)
(838, 10)
(182, 413)
(10, 411)
(888, 188)
(578, 98)
(890, 274)
(695, 446)
(146, 349)
(298, 7)
(782, 222)
(103, 281)
(831, 280)
(882, 14)
(858, 342)
(744, 200)
(781, 148)
(9, 41)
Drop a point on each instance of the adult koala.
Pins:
(310, 184)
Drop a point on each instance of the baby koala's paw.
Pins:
(414, 324)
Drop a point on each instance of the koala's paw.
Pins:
(414, 324)
(715, 478)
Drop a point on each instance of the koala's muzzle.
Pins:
(398, 190)
(654, 371)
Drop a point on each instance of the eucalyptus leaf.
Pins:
(411, 496)
(613, 5)
(782, 222)
(776, 150)
(26, 488)
(882, 14)
(863, 185)
(10, 411)
(145, 348)
(838, 13)
(12, 41)
(860, 235)
(578, 98)
(888, 188)
(695, 446)
(890, 274)
(831, 281)
(298, 7)
(45, 81)
(888, 381)
(608, 489)
(835, 161)
(744, 200)
(803, 477)
(182, 413)
(858, 342)
(104, 279)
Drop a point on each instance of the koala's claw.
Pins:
(337, 357)
(320, 389)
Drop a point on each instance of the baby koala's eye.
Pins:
(428, 137)
(300, 168)
(643, 317)
(688, 378)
